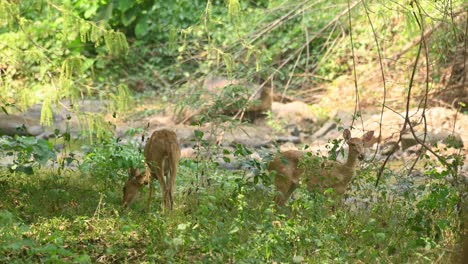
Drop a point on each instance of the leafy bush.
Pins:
(232, 218)
(27, 152)
(48, 52)
(108, 159)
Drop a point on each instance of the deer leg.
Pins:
(286, 187)
(150, 182)
(172, 178)
(285, 194)
(158, 174)
(163, 183)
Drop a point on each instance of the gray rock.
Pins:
(293, 139)
(325, 129)
(19, 125)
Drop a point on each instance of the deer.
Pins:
(162, 154)
(293, 166)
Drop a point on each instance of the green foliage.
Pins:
(8, 13)
(146, 20)
(51, 50)
(26, 152)
(48, 217)
(44, 54)
(109, 159)
(222, 222)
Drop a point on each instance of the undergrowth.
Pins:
(47, 217)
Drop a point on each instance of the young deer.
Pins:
(162, 154)
(292, 165)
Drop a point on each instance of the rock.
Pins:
(19, 125)
(252, 141)
(416, 149)
(445, 137)
(187, 153)
(254, 137)
(389, 148)
(292, 139)
(288, 146)
(185, 134)
(329, 129)
(453, 140)
(407, 140)
(212, 91)
(215, 84)
(293, 130)
(441, 122)
(325, 129)
(161, 121)
(295, 112)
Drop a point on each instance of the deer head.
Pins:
(132, 186)
(357, 145)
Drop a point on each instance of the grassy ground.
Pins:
(73, 217)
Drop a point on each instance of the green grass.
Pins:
(76, 218)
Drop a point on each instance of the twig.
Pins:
(277, 22)
(291, 74)
(318, 33)
(426, 53)
(425, 35)
(406, 120)
(357, 106)
(307, 48)
(382, 72)
(98, 208)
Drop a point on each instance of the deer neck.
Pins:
(347, 169)
(265, 94)
(352, 159)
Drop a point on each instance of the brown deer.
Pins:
(293, 165)
(162, 154)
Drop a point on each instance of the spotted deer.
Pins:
(162, 154)
(293, 166)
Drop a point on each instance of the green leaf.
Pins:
(298, 259)
(198, 134)
(182, 227)
(128, 17)
(87, 63)
(141, 28)
(66, 136)
(178, 241)
(380, 237)
(234, 230)
(91, 11)
(124, 5)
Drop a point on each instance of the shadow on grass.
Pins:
(47, 194)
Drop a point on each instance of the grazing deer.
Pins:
(162, 154)
(293, 165)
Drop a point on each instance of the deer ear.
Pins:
(367, 136)
(346, 134)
